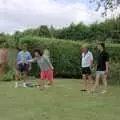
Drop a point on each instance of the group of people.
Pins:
(24, 60)
(101, 68)
(23, 65)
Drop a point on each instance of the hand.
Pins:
(29, 68)
(24, 61)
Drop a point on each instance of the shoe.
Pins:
(16, 85)
(24, 85)
(104, 91)
(88, 91)
(41, 88)
(49, 84)
(83, 90)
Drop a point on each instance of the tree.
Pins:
(17, 35)
(52, 31)
(44, 31)
(106, 5)
(3, 38)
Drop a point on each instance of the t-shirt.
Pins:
(43, 63)
(86, 59)
(23, 56)
(103, 57)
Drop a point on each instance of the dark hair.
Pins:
(19, 49)
(102, 45)
(38, 51)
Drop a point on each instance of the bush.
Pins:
(10, 75)
(114, 73)
(65, 55)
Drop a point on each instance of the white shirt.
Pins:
(86, 59)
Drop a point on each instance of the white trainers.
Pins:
(16, 84)
(24, 85)
(104, 91)
(47, 86)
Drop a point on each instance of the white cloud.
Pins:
(20, 14)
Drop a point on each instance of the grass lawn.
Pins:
(64, 101)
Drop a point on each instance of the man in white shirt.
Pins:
(87, 61)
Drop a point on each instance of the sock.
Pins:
(16, 84)
(24, 84)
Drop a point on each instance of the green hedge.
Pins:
(65, 55)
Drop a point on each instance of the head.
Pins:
(24, 47)
(38, 53)
(46, 52)
(101, 47)
(84, 48)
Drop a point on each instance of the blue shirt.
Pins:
(23, 56)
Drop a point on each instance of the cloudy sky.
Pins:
(22, 14)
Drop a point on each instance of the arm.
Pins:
(51, 66)
(32, 60)
(107, 63)
(91, 60)
(48, 61)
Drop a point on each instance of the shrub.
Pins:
(114, 73)
(65, 55)
(10, 75)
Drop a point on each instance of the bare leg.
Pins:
(96, 82)
(25, 78)
(18, 78)
(85, 82)
(104, 80)
(41, 83)
(90, 82)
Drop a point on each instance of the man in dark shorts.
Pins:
(87, 60)
(102, 67)
(22, 65)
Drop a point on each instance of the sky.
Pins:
(22, 14)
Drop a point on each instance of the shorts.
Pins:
(46, 75)
(100, 73)
(86, 71)
(23, 67)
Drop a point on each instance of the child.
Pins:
(23, 66)
(45, 66)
